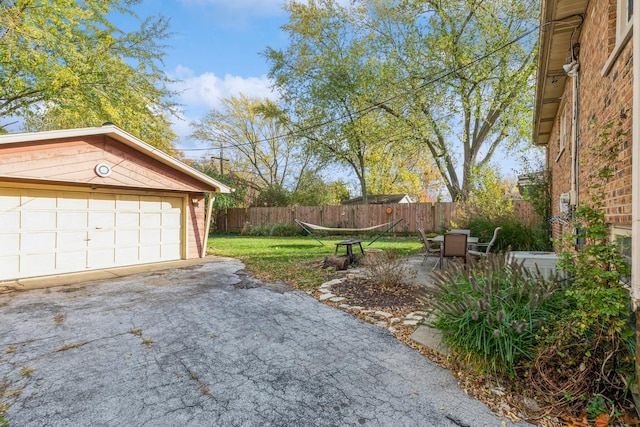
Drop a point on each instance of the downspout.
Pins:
(207, 225)
(635, 165)
(574, 199)
(635, 187)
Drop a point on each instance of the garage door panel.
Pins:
(9, 220)
(38, 264)
(150, 253)
(72, 241)
(128, 202)
(150, 236)
(101, 258)
(171, 251)
(38, 220)
(72, 220)
(151, 220)
(127, 238)
(102, 219)
(73, 201)
(58, 231)
(102, 239)
(72, 261)
(10, 244)
(40, 199)
(11, 199)
(37, 242)
(102, 202)
(127, 220)
(9, 266)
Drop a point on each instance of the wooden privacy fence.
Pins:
(431, 216)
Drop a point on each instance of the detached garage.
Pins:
(92, 198)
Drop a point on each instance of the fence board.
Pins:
(433, 217)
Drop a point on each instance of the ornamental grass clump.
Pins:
(387, 269)
(491, 313)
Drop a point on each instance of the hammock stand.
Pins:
(308, 227)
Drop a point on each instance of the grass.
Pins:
(295, 260)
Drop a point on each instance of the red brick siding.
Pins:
(601, 99)
(195, 225)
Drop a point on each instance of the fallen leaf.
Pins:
(602, 420)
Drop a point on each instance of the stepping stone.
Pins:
(330, 283)
(326, 296)
(384, 314)
(429, 337)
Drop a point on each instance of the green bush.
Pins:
(273, 230)
(594, 338)
(515, 234)
(492, 312)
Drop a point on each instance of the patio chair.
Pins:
(483, 249)
(461, 231)
(454, 246)
(430, 247)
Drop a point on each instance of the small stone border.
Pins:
(379, 318)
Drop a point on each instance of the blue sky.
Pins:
(215, 52)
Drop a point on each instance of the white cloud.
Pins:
(200, 93)
(204, 91)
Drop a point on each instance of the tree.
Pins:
(450, 76)
(254, 134)
(312, 190)
(464, 67)
(329, 77)
(64, 64)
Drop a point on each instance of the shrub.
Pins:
(492, 312)
(590, 351)
(272, 230)
(515, 234)
(387, 269)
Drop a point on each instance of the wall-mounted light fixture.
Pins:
(571, 68)
(195, 202)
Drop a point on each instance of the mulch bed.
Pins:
(366, 293)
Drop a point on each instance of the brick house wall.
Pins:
(602, 99)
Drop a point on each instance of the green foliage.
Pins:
(235, 199)
(273, 196)
(313, 191)
(597, 272)
(515, 234)
(64, 64)
(594, 334)
(487, 195)
(275, 230)
(492, 313)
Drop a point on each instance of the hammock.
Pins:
(306, 226)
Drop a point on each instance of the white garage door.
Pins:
(50, 232)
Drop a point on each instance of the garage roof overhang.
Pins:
(560, 24)
(125, 138)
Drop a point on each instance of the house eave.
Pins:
(560, 21)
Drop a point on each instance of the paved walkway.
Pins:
(207, 345)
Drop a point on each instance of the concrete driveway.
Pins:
(206, 345)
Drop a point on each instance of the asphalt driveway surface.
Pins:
(209, 346)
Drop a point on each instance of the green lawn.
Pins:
(295, 260)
